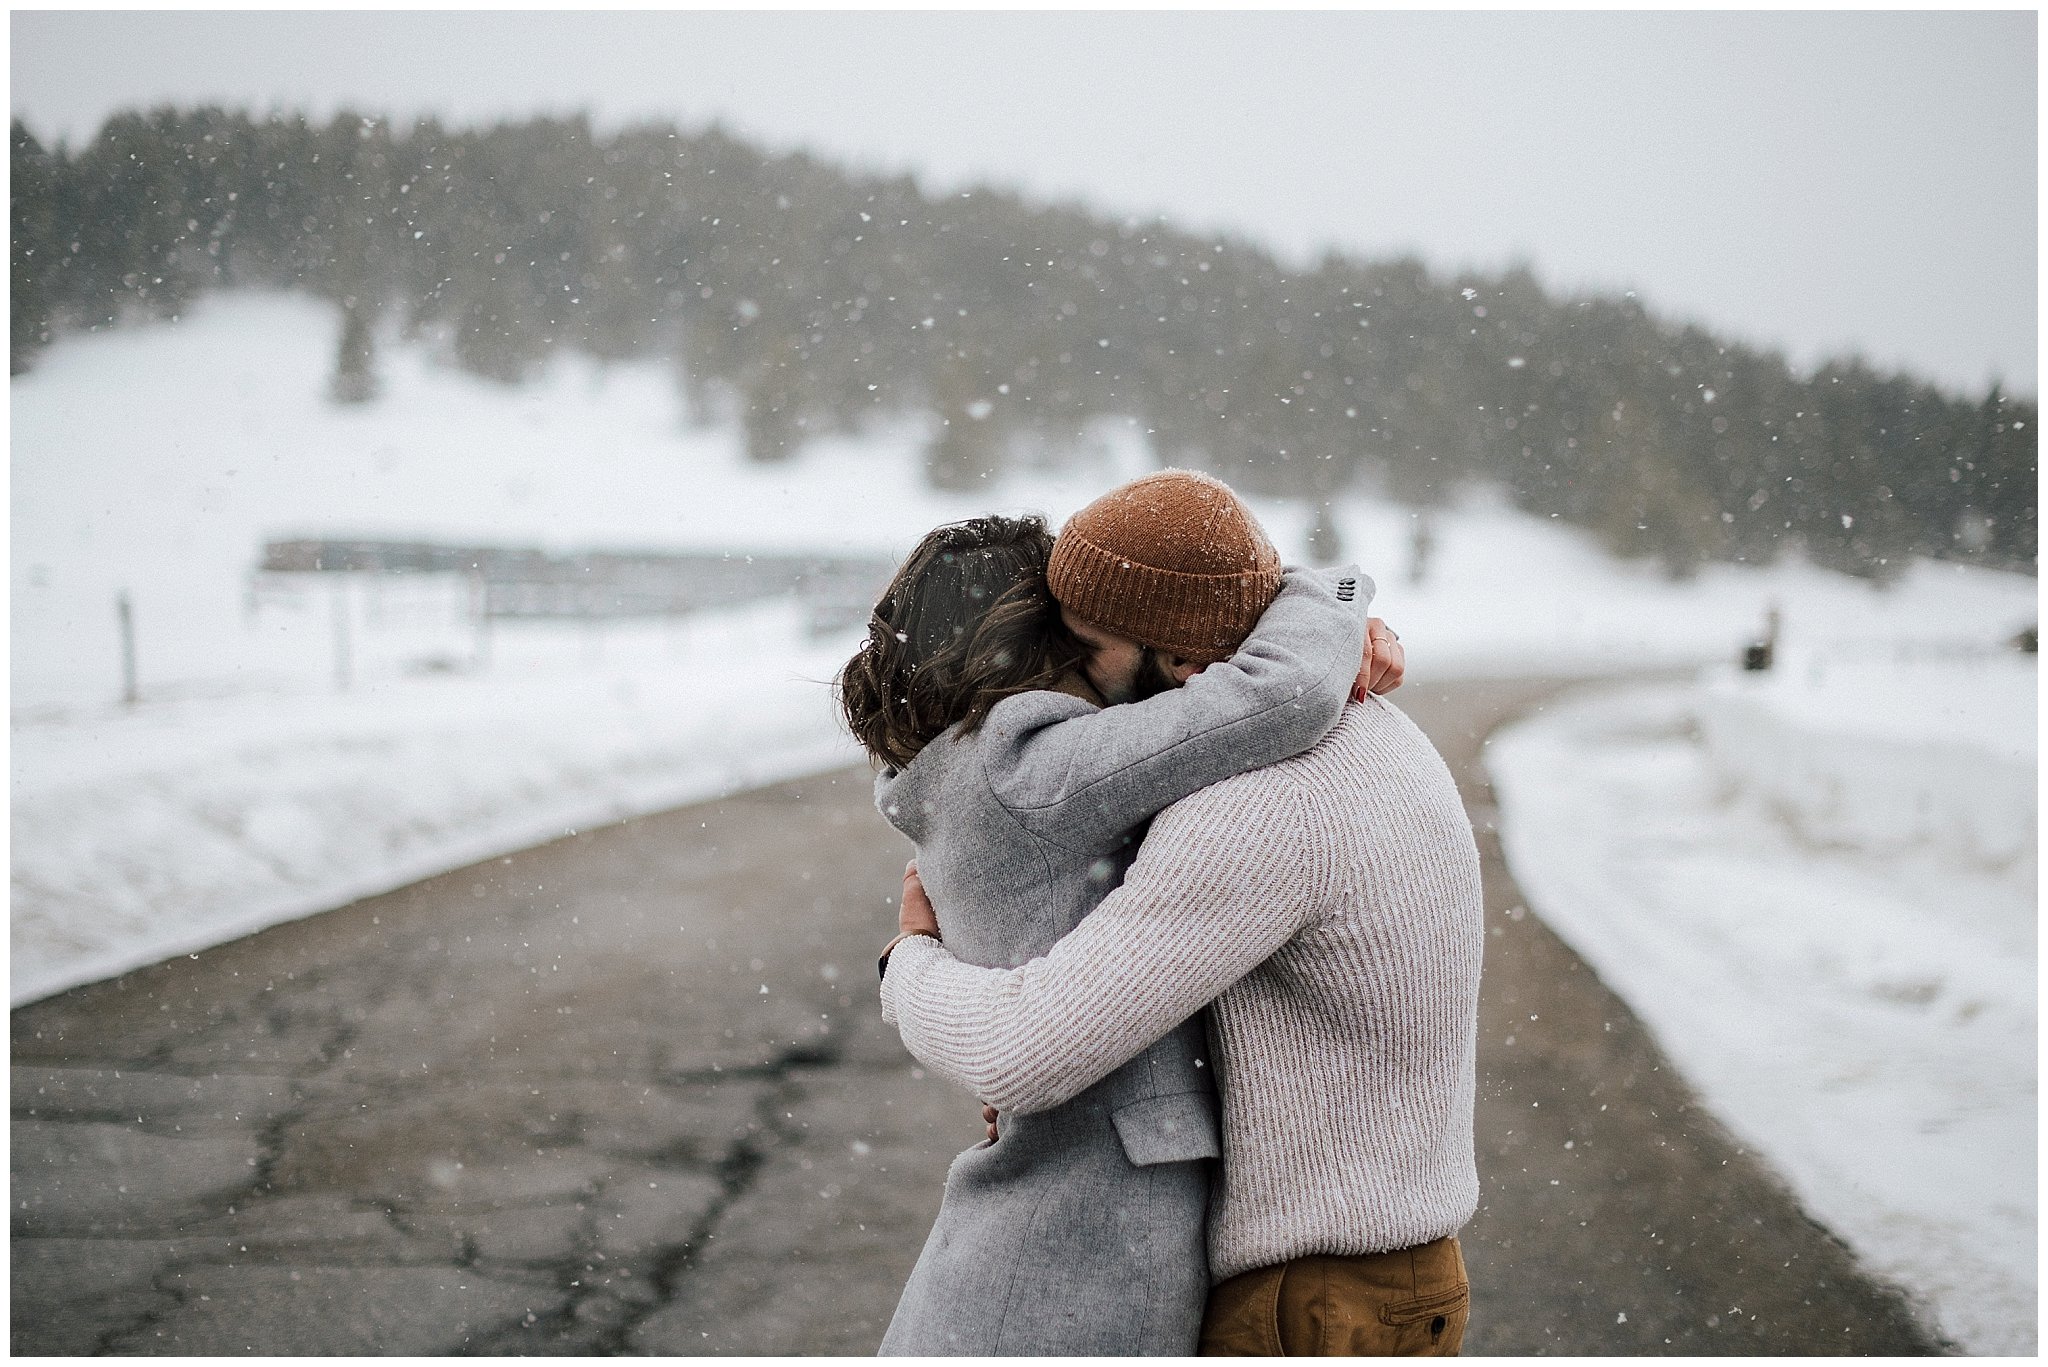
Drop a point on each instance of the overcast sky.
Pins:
(1818, 182)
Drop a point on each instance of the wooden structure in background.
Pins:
(525, 582)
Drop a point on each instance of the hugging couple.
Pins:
(1186, 890)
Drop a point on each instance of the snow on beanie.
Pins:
(1173, 560)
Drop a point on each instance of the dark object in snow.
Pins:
(2024, 641)
(1421, 541)
(1758, 655)
(355, 379)
(1325, 544)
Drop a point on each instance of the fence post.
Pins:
(125, 612)
(480, 617)
(339, 599)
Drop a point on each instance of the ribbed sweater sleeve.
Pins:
(1224, 878)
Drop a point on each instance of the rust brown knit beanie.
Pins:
(1173, 560)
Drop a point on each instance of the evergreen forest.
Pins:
(800, 299)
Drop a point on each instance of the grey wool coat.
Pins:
(1080, 1230)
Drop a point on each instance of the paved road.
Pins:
(629, 1093)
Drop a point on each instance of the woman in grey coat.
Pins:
(1080, 1230)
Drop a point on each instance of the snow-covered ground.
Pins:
(1818, 889)
(179, 825)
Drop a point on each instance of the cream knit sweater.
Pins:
(1328, 908)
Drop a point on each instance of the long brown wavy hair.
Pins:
(967, 622)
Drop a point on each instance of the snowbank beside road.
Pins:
(1795, 886)
(1935, 755)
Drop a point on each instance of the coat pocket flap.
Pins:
(1177, 1128)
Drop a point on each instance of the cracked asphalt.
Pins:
(630, 1093)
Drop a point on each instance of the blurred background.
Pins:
(435, 432)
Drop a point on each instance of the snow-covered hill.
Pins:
(245, 788)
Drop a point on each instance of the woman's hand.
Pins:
(1385, 661)
(915, 916)
(988, 1117)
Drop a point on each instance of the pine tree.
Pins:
(38, 250)
(795, 299)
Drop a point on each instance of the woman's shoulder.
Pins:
(1040, 707)
(1019, 748)
(1009, 724)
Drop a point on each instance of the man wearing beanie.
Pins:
(1326, 909)
(1173, 562)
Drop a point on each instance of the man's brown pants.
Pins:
(1408, 1303)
